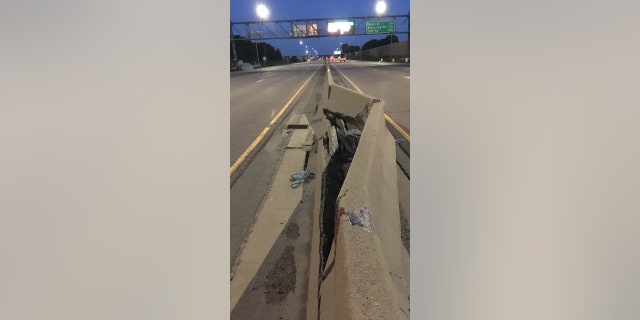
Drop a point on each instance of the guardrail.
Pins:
(362, 275)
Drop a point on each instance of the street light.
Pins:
(262, 11)
(381, 7)
(342, 45)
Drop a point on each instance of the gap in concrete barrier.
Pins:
(306, 160)
(348, 130)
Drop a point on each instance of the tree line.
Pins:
(374, 43)
(246, 50)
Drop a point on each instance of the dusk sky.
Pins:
(245, 10)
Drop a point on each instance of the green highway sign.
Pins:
(375, 27)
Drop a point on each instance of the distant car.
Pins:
(343, 59)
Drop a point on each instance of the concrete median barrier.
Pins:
(362, 275)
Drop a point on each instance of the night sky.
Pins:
(245, 10)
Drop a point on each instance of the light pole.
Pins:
(265, 53)
(348, 53)
(381, 8)
(263, 13)
(257, 54)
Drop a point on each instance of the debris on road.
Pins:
(301, 177)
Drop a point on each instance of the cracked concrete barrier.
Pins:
(362, 277)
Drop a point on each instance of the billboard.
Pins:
(304, 30)
(344, 27)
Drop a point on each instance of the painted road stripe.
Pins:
(259, 138)
(260, 80)
(407, 77)
(393, 123)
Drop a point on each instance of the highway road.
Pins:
(264, 98)
(387, 81)
(257, 96)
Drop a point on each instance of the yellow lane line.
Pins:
(249, 149)
(393, 123)
(351, 82)
(290, 100)
(259, 138)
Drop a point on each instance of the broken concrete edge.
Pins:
(351, 105)
(333, 95)
(297, 121)
(301, 138)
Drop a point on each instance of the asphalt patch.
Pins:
(292, 231)
(281, 279)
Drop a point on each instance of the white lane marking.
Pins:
(260, 80)
(407, 77)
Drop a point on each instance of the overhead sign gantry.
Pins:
(317, 28)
